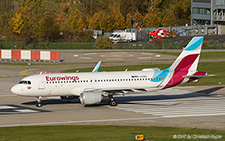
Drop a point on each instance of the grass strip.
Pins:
(203, 55)
(96, 133)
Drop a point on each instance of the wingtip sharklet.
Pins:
(97, 67)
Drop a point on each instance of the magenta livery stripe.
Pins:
(181, 70)
(197, 73)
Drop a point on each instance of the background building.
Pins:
(207, 12)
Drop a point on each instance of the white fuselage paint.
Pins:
(63, 84)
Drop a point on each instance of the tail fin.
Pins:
(185, 64)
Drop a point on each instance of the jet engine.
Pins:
(90, 98)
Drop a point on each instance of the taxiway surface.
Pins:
(194, 107)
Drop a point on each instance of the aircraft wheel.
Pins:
(113, 103)
(38, 104)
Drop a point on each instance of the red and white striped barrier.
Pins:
(30, 55)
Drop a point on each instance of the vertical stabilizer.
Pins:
(185, 64)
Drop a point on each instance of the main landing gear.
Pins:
(112, 102)
(38, 103)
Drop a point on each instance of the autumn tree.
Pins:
(152, 19)
(69, 18)
(168, 19)
(48, 29)
(183, 12)
(34, 6)
(17, 22)
(6, 13)
(114, 20)
(103, 42)
(98, 21)
(127, 22)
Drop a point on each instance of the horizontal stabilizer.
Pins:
(198, 76)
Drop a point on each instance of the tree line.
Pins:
(53, 20)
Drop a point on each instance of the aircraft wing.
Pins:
(119, 90)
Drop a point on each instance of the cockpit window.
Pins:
(24, 82)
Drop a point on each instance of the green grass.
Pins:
(90, 45)
(50, 45)
(212, 55)
(96, 133)
(216, 68)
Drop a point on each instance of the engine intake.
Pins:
(90, 98)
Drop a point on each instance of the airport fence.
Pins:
(154, 43)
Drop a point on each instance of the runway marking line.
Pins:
(15, 109)
(206, 108)
(24, 72)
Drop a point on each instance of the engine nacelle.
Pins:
(69, 97)
(90, 98)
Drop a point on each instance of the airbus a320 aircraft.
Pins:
(94, 87)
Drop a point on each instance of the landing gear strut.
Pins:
(112, 102)
(38, 103)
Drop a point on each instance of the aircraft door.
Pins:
(41, 84)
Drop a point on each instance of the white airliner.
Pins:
(94, 87)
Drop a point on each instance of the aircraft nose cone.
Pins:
(15, 89)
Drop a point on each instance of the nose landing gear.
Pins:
(38, 103)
